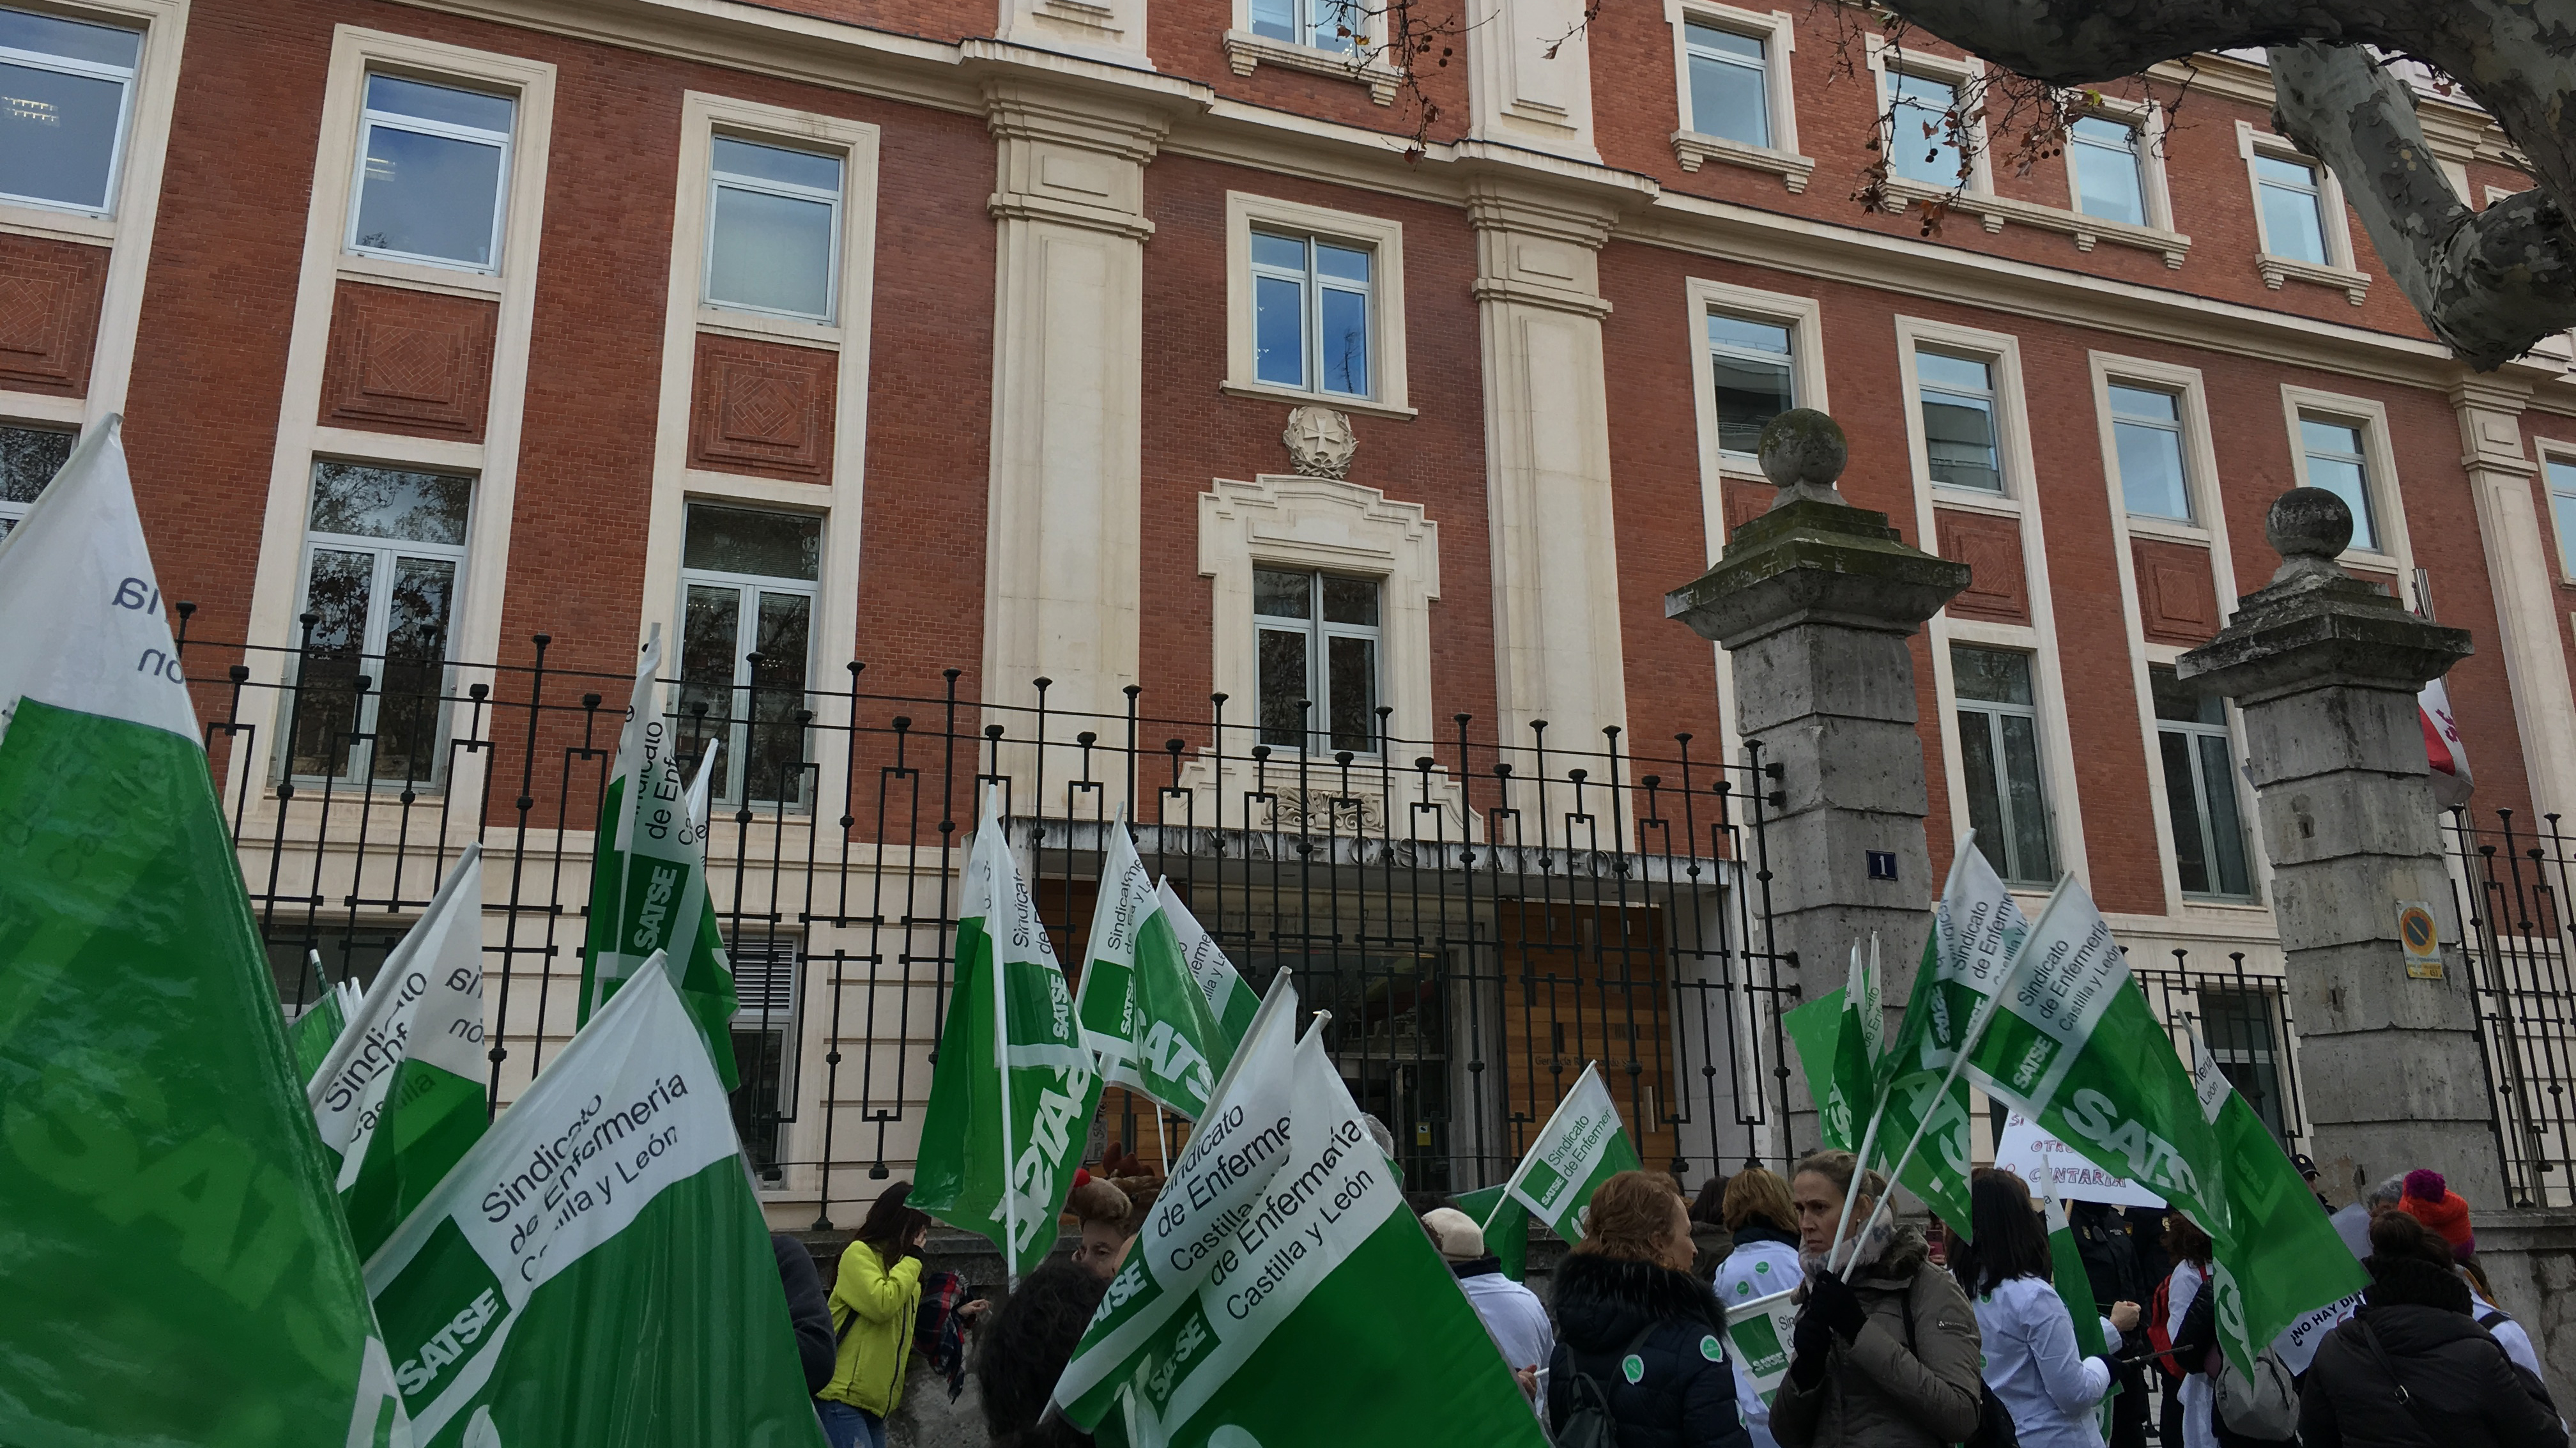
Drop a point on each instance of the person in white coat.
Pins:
(2032, 1364)
(1764, 1262)
(2189, 1247)
(1513, 1316)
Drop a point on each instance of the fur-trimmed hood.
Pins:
(1602, 1302)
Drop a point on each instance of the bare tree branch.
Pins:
(2488, 283)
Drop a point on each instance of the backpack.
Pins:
(2160, 1308)
(2265, 1406)
(1588, 1422)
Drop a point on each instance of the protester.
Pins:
(1513, 1316)
(874, 1301)
(2508, 1333)
(2430, 1200)
(1888, 1360)
(1109, 1220)
(808, 1311)
(1633, 1320)
(1710, 1238)
(1763, 1264)
(2383, 1198)
(2187, 1399)
(2412, 1369)
(2031, 1359)
(2111, 1266)
(1024, 1350)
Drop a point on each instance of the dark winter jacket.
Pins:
(808, 1310)
(1710, 1242)
(2461, 1390)
(1914, 1376)
(1684, 1394)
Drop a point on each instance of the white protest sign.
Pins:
(2297, 1344)
(2026, 1151)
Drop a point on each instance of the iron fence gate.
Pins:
(1481, 917)
(2511, 885)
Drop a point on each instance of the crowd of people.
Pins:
(1904, 1337)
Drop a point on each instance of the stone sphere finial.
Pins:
(1803, 448)
(2309, 523)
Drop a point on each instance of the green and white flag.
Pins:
(1013, 1087)
(1839, 1036)
(316, 1031)
(648, 885)
(1505, 1223)
(1230, 998)
(175, 1267)
(2078, 1049)
(1142, 1010)
(400, 1098)
(595, 1273)
(1280, 1275)
(2074, 1287)
(1758, 1331)
(1582, 1146)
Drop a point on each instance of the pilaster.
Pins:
(2524, 581)
(1529, 75)
(1110, 30)
(1061, 561)
(1547, 465)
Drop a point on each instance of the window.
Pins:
(1958, 399)
(1730, 84)
(66, 91)
(1752, 362)
(765, 1037)
(2336, 464)
(432, 164)
(2293, 210)
(348, 952)
(1999, 754)
(773, 229)
(2562, 505)
(2237, 1025)
(1323, 24)
(1925, 146)
(382, 551)
(2104, 156)
(747, 584)
(1318, 640)
(29, 458)
(2200, 791)
(1310, 304)
(2146, 429)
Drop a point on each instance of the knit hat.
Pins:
(2430, 1200)
(1460, 1239)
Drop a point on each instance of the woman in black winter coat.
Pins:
(1632, 1318)
(2413, 1369)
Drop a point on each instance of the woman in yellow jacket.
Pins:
(875, 1300)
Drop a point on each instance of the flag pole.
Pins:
(1959, 1058)
(1002, 1048)
(1878, 1105)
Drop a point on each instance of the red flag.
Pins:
(2442, 747)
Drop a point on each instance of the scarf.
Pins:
(940, 1330)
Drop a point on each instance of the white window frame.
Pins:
(2038, 713)
(128, 80)
(2333, 220)
(2563, 542)
(1370, 64)
(1246, 213)
(837, 200)
(1319, 633)
(369, 119)
(2394, 551)
(2196, 493)
(1312, 283)
(371, 645)
(2007, 485)
(2252, 846)
(2146, 123)
(787, 1021)
(730, 790)
(1968, 76)
(1779, 36)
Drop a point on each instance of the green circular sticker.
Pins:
(1632, 1367)
(1709, 1349)
(1744, 1289)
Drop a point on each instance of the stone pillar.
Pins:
(2524, 576)
(2325, 669)
(1814, 602)
(1060, 567)
(1547, 466)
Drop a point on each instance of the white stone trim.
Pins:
(1384, 238)
(1968, 75)
(301, 437)
(2334, 221)
(2200, 477)
(1993, 211)
(2146, 119)
(1779, 36)
(1112, 31)
(2524, 585)
(1518, 93)
(2038, 638)
(2551, 450)
(127, 228)
(1246, 52)
(2396, 552)
(685, 316)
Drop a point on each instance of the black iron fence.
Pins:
(2243, 1017)
(1481, 916)
(2512, 886)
